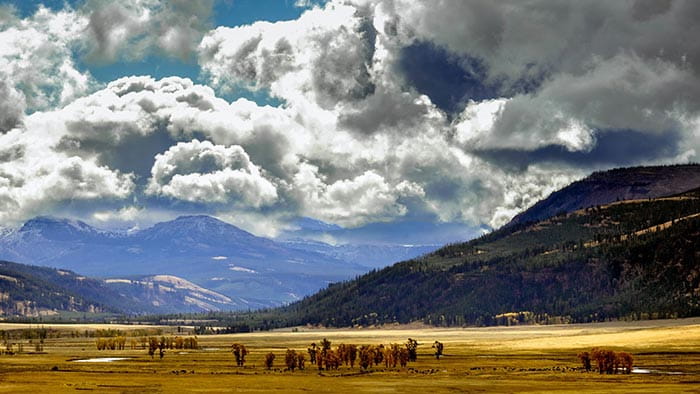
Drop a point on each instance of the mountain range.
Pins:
(250, 271)
(618, 244)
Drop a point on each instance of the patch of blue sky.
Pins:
(260, 97)
(157, 66)
(161, 66)
(27, 8)
(244, 12)
(226, 13)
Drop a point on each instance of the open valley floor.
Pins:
(495, 359)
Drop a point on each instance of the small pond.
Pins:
(100, 360)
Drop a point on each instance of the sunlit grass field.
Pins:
(497, 359)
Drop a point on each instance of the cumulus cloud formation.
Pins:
(364, 198)
(330, 63)
(342, 57)
(560, 75)
(571, 69)
(256, 157)
(325, 53)
(203, 172)
(37, 69)
(34, 179)
(135, 28)
(446, 110)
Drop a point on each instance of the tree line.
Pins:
(159, 344)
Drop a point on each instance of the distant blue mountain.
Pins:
(309, 224)
(375, 246)
(371, 255)
(421, 232)
(204, 250)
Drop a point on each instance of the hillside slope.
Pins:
(632, 259)
(38, 291)
(614, 185)
(31, 291)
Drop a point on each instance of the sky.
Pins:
(392, 120)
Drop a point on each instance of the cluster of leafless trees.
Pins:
(294, 360)
(11, 348)
(114, 343)
(162, 343)
(269, 360)
(152, 343)
(439, 347)
(607, 361)
(327, 358)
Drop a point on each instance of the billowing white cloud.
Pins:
(34, 179)
(570, 69)
(133, 29)
(520, 191)
(364, 198)
(125, 214)
(272, 158)
(330, 63)
(203, 172)
(358, 138)
(37, 69)
(323, 54)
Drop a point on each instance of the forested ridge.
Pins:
(31, 291)
(626, 260)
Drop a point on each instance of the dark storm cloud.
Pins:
(133, 153)
(646, 9)
(450, 81)
(267, 148)
(333, 66)
(639, 58)
(612, 148)
(383, 110)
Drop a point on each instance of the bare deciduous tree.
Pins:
(438, 346)
(239, 352)
(269, 360)
(412, 347)
(585, 358)
(291, 359)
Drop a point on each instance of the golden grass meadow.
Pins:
(495, 359)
